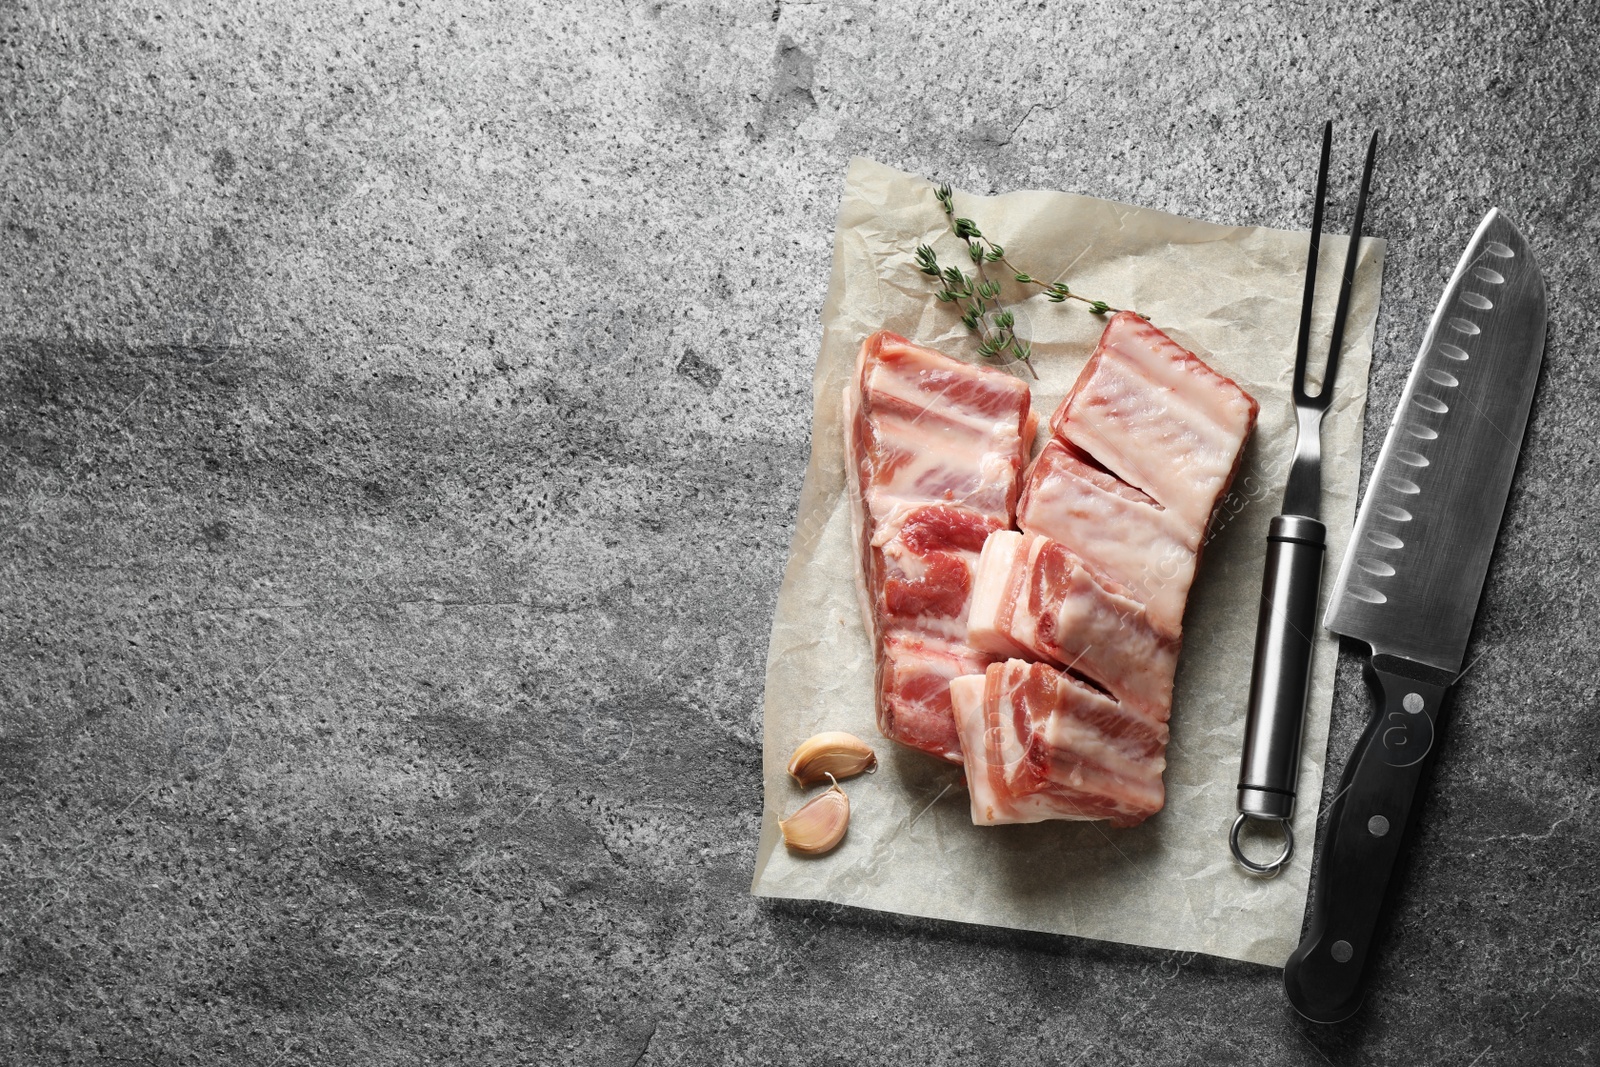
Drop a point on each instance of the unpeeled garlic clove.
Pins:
(820, 823)
(833, 753)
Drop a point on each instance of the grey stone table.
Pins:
(404, 409)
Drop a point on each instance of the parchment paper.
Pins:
(1231, 294)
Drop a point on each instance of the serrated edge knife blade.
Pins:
(1413, 573)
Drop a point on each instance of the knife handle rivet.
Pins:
(1341, 951)
(1412, 702)
(1377, 826)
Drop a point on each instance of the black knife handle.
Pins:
(1281, 671)
(1363, 839)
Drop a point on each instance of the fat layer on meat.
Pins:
(1040, 744)
(1115, 511)
(934, 451)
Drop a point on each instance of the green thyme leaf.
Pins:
(979, 296)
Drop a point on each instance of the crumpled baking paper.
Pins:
(1231, 294)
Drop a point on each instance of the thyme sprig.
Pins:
(978, 295)
(980, 309)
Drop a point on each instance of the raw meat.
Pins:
(1116, 510)
(1119, 532)
(1040, 744)
(934, 454)
(1152, 413)
(1034, 596)
(1145, 447)
(923, 557)
(914, 676)
(924, 428)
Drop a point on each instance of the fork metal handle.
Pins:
(1281, 675)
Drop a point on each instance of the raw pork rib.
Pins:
(1153, 414)
(1119, 532)
(934, 454)
(1035, 598)
(1040, 745)
(1145, 447)
(1115, 512)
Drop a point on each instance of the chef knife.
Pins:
(1410, 583)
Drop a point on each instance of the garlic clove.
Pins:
(833, 753)
(820, 824)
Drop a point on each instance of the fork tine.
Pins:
(1303, 341)
(1351, 258)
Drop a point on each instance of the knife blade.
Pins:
(1410, 583)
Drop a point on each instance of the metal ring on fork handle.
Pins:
(1265, 870)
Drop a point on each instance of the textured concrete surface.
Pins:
(404, 408)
